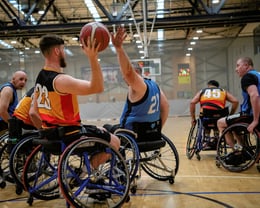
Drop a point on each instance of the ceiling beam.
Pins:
(167, 23)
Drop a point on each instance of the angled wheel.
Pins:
(3, 137)
(240, 160)
(161, 164)
(40, 174)
(191, 145)
(18, 157)
(130, 152)
(4, 164)
(4, 159)
(106, 186)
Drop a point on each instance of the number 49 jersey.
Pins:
(213, 98)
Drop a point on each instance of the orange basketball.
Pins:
(95, 30)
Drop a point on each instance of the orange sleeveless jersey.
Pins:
(22, 109)
(213, 98)
(55, 109)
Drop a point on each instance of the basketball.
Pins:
(95, 30)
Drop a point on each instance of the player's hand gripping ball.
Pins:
(95, 30)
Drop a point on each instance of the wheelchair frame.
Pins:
(43, 179)
(113, 174)
(197, 137)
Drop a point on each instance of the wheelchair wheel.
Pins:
(18, 157)
(40, 175)
(107, 186)
(130, 152)
(191, 146)
(242, 160)
(4, 158)
(161, 164)
(3, 137)
(4, 164)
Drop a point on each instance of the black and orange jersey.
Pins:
(55, 109)
(213, 98)
(22, 109)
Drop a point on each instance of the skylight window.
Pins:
(160, 7)
(93, 10)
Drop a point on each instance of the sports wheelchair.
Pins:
(62, 164)
(243, 156)
(204, 135)
(158, 157)
(17, 131)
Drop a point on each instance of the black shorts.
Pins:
(72, 133)
(240, 118)
(3, 126)
(94, 131)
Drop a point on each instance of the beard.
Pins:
(62, 62)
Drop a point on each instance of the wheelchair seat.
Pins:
(210, 117)
(52, 139)
(145, 146)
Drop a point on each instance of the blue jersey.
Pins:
(14, 103)
(145, 110)
(250, 78)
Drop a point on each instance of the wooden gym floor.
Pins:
(198, 184)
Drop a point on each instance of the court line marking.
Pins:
(210, 176)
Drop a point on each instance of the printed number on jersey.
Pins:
(212, 93)
(154, 107)
(43, 99)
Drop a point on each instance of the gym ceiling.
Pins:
(25, 21)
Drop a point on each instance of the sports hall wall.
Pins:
(210, 59)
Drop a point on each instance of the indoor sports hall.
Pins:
(180, 44)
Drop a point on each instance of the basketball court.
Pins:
(197, 184)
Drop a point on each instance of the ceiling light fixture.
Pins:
(215, 1)
(41, 12)
(6, 45)
(160, 34)
(68, 52)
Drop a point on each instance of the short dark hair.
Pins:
(48, 41)
(214, 83)
(137, 67)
